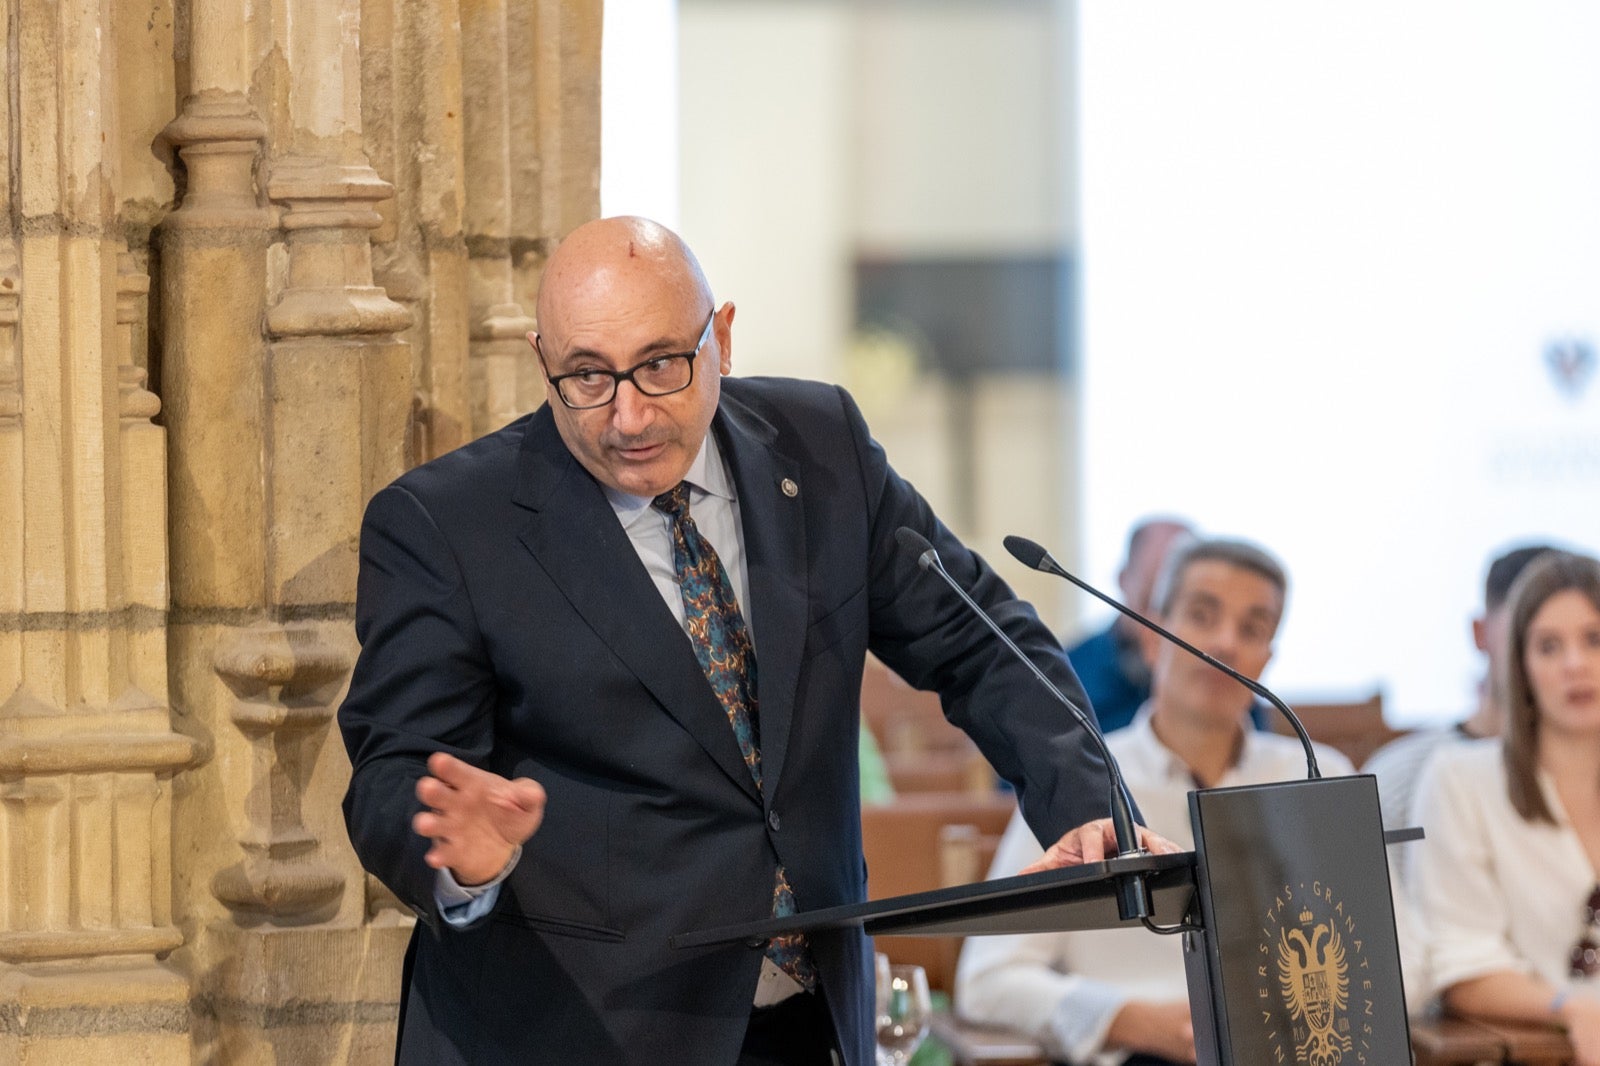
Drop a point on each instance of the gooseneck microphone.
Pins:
(1133, 900)
(1033, 555)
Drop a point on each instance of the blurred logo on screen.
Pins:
(1571, 361)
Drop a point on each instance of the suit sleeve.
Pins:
(923, 632)
(422, 684)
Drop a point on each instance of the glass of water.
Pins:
(904, 1011)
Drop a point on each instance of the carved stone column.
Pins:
(13, 579)
(288, 409)
(281, 677)
(501, 359)
(554, 48)
(412, 109)
(213, 289)
(87, 751)
(197, 363)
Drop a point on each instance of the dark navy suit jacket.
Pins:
(506, 618)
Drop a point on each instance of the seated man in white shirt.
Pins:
(1118, 996)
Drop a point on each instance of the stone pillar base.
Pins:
(311, 995)
(133, 1013)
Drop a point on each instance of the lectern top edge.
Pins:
(1085, 876)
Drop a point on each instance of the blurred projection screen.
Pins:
(1341, 292)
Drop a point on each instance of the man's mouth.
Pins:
(638, 452)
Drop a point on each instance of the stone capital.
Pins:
(318, 193)
(504, 322)
(218, 135)
(215, 116)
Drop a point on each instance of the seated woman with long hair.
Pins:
(1508, 879)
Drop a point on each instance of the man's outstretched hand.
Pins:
(1092, 842)
(475, 818)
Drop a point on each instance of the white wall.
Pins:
(814, 130)
(639, 110)
(765, 170)
(958, 121)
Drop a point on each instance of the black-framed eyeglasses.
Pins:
(659, 375)
(1585, 960)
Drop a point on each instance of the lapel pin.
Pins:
(790, 489)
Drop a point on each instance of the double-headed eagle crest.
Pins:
(1315, 983)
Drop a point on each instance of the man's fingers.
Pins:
(1090, 842)
(483, 806)
(434, 792)
(1157, 844)
(1050, 860)
(426, 824)
(524, 794)
(451, 770)
(1092, 839)
(454, 783)
(436, 857)
(1064, 852)
(528, 793)
(440, 852)
(521, 803)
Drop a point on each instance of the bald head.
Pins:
(608, 257)
(620, 297)
(1148, 545)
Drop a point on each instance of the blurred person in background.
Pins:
(1119, 996)
(1109, 663)
(1398, 764)
(1507, 882)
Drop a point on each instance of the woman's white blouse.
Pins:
(1493, 892)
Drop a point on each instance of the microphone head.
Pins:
(915, 543)
(1027, 552)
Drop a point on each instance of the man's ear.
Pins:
(1124, 586)
(1480, 633)
(724, 331)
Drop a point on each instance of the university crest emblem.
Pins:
(1315, 983)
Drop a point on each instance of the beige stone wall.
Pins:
(255, 260)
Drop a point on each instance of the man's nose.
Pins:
(630, 409)
(1223, 644)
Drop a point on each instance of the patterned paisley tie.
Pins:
(722, 644)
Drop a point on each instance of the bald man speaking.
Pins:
(609, 691)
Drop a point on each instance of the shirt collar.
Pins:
(1167, 763)
(707, 476)
(1158, 759)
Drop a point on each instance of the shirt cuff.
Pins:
(1083, 1018)
(461, 905)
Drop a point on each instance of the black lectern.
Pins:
(1284, 906)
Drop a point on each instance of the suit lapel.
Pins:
(775, 559)
(575, 536)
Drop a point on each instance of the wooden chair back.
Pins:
(924, 841)
(1354, 727)
(903, 719)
